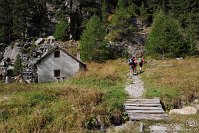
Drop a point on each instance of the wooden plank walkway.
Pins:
(145, 109)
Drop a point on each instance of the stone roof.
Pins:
(58, 48)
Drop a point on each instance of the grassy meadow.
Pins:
(176, 82)
(71, 106)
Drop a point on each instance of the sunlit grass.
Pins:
(69, 106)
(172, 80)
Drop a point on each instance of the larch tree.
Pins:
(92, 43)
(166, 38)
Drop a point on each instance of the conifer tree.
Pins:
(191, 34)
(29, 18)
(20, 19)
(5, 20)
(155, 5)
(104, 14)
(120, 22)
(143, 13)
(92, 43)
(166, 37)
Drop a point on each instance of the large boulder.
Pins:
(184, 111)
(12, 52)
(7, 52)
(15, 51)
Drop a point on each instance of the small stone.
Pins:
(196, 101)
(158, 129)
(197, 107)
(141, 127)
(181, 58)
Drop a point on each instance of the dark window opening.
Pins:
(56, 73)
(57, 54)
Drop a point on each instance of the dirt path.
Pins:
(136, 87)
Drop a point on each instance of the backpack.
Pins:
(131, 62)
(139, 60)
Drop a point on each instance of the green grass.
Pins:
(172, 80)
(70, 106)
(176, 83)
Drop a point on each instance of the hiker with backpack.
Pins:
(141, 62)
(132, 64)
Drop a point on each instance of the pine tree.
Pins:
(181, 9)
(5, 20)
(39, 18)
(155, 5)
(191, 34)
(120, 23)
(29, 18)
(143, 13)
(104, 14)
(92, 43)
(166, 37)
(20, 18)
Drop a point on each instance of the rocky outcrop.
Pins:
(133, 45)
(126, 48)
(7, 52)
(12, 52)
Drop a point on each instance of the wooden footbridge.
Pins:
(145, 109)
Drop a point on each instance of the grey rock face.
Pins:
(126, 48)
(12, 52)
(7, 52)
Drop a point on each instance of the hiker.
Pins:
(132, 65)
(141, 62)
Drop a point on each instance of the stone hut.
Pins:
(57, 65)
